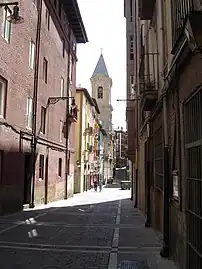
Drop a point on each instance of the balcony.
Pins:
(73, 113)
(149, 95)
(71, 118)
(88, 131)
(149, 80)
(89, 148)
(146, 9)
(186, 17)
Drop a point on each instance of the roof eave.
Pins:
(75, 20)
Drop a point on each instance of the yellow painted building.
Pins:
(86, 141)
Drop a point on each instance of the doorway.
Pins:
(27, 178)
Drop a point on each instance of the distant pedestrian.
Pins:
(95, 184)
(100, 185)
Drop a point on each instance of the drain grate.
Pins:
(133, 265)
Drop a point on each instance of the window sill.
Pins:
(2, 119)
(5, 40)
(175, 202)
(28, 128)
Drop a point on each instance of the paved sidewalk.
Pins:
(89, 231)
(138, 246)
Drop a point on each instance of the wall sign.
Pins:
(175, 179)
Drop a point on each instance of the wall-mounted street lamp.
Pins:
(15, 17)
(54, 100)
(73, 108)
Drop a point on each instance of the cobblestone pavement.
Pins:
(89, 231)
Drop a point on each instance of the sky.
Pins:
(106, 29)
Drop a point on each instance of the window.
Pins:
(29, 112)
(132, 90)
(74, 46)
(47, 19)
(70, 95)
(68, 165)
(45, 70)
(131, 80)
(100, 92)
(62, 87)
(43, 120)
(41, 166)
(63, 48)
(61, 130)
(131, 10)
(60, 10)
(6, 24)
(32, 54)
(60, 167)
(131, 48)
(70, 69)
(36, 3)
(3, 92)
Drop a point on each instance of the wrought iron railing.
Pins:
(149, 72)
(180, 10)
(73, 111)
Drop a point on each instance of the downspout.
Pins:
(134, 17)
(178, 135)
(137, 96)
(166, 244)
(132, 175)
(148, 176)
(35, 98)
(67, 155)
(147, 157)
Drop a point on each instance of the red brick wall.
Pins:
(14, 67)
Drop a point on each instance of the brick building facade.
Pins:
(38, 61)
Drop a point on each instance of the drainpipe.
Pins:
(137, 96)
(147, 157)
(148, 176)
(131, 175)
(165, 250)
(67, 155)
(34, 109)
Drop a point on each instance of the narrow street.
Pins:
(89, 231)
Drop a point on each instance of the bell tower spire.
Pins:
(100, 68)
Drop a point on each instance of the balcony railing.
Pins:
(88, 131)
(73, 113)
(180, 12)
(149, 72)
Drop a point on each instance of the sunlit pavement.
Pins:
(92, 230)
